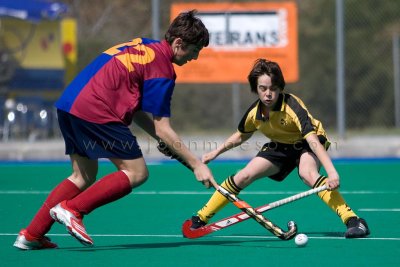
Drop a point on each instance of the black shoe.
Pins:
(197, 222)
(356, 228)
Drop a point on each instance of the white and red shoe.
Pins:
(26, 241)
(73, 221)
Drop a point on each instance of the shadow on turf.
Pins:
(311, 234)
(196, 243)
(169, 245)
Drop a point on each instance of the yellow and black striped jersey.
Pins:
(288, 123)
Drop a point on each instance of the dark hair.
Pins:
(270, 68)
(189, 28)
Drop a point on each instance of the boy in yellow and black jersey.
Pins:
(296, 140)
(288, 122)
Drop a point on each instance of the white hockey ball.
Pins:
(301, 240)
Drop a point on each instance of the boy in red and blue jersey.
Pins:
(133, 81)
(137, 75)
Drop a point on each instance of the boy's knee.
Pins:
(309, 178)
(82, 181)
(137, 178)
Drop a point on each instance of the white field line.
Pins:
(217, 236)
(380, 210)
(35, 192)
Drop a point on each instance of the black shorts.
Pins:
(94, 141)
(286, 156)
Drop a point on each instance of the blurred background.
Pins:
(348, 63)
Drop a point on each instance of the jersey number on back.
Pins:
(144, 55)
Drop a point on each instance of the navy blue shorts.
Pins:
(94, 141)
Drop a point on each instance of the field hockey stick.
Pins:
(240, 217)
(264, 222)
(242, 205)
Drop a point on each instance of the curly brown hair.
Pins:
(263, 66)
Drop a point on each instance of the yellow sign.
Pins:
(34, 45)
(44, 54)
(69, 48)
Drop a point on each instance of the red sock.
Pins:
(42, 221)
(108, 189)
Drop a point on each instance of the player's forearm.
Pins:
(321, 154)
(325, 160)
(176, 145)
(180, 149)
(143, 120)
(233, 141)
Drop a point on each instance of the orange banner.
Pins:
(239, 34)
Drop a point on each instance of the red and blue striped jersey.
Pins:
(137, 75)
